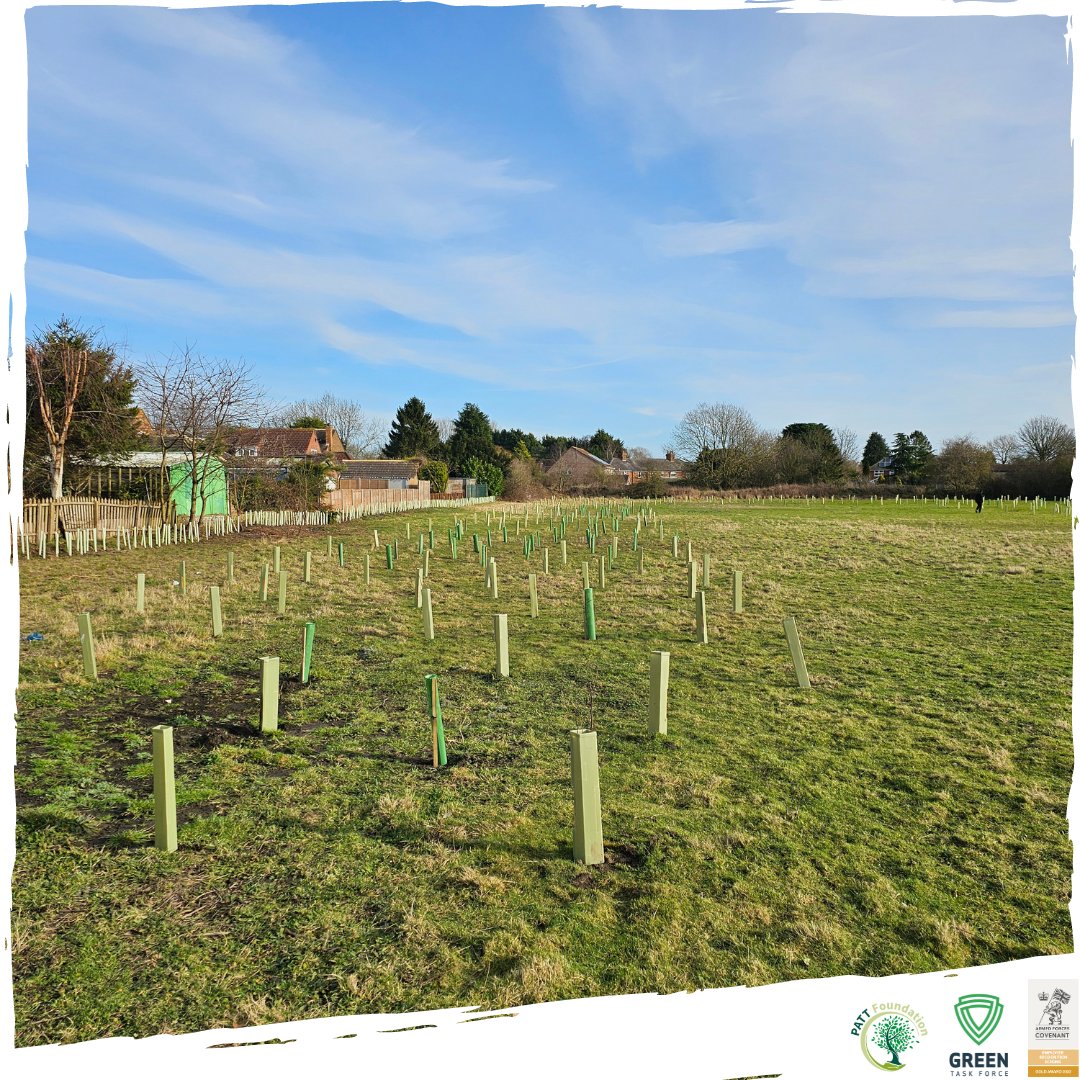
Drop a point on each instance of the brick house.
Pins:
(576, 467)
(278, 443)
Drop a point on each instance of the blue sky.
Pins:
(574, 218)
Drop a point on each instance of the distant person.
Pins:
(978, 503)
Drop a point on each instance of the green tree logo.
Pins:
(893, 1035)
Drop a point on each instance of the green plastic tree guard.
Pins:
(736, 592)
(389, 556)
(367, 569)
(533, 606)
(307, 567)
(270, 670)
(585, 574)
(282, 580)
(86, 639)
(264, 582)
(429, 617)
(419, 587)
(183, 577)
(585, 781)
(341, 553)
(792, 632)
(705, 576)
(438, 736)
(230, 569)
(659, 669)
(164, 788)
(309, 644)
(215, 610)
(590, 616)
(140, 594)
(547, 569)
(702, 620)
(603, 571)
(691, 579)
(502, 647)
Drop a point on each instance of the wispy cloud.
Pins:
(1018, 318)
(711, 237)
(893, 164)
(251, 124)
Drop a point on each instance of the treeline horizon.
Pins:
(80, 395)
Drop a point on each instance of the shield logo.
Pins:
(979, 1028)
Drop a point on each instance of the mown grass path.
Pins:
(905, 814)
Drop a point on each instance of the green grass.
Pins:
(905, 814)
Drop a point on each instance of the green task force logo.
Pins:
(979, 1016)
(886, 1032)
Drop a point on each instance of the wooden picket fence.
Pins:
(51, 516)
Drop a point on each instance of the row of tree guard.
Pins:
(588, 836)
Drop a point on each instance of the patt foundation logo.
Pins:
(1053, 1047)
(888, 1034)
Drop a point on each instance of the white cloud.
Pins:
(711, 237)
(241, 120)
(887, 157)
(1020, 318)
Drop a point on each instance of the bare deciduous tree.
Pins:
(1005, 448)
(60, 369)
(847, 443)
(361, 432)
(193, 403)
(158, 383)
(718, 426)
(1046, 438)
(446, 427)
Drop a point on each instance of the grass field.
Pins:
(907, 813)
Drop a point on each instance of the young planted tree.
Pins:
(79, 403)
(413, 432)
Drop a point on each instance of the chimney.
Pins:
(670, 455)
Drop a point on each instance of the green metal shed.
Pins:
(214, 498)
